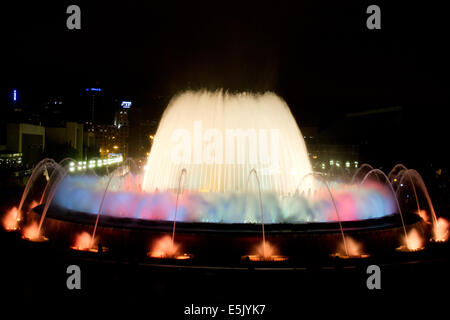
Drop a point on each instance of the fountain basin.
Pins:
(227, 243)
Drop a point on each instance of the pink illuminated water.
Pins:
(85, 193)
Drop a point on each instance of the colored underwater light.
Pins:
(354, 249)
(414, 242)
(31, 233)
(265, 252)
(165, 248)
(10, 220)
(83, 243)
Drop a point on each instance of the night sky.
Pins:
(319, 56)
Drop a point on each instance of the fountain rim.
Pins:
(391, 221)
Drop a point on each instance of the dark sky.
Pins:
(319, 56)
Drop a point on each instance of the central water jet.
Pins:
(219, 138)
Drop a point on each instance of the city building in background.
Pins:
(93, 93)
(121, 123)
(71, 134)
(52, 112)
(106, 139)
(26, 139)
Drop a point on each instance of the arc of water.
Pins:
(412, 172)
(361, 167)
(394, 169)
(52, 193)
(58, 168)
(38, 169)
(404, 174)
(324, 182)
(260, 208)
(393, 193)
(306, 176)
(66, 159)
(398, 177)
(183, 172)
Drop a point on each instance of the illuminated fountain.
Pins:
(265, 252)
(219, 138)
(84, 242)
(198, 181)
(412, 177)
(169, 249)
(11, 219)
(350, 249)
(12, 223)
(32, 232)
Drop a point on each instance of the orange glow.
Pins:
(83, 241)
(423, 214)
(184, 256)
(265, 252)
(414, 242)
(10, 219)
(31, 232)
(34, 204)
(354, 249)
(255, 257)
(164, 248)
(441, 230)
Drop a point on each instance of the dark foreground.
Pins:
(37, 273)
